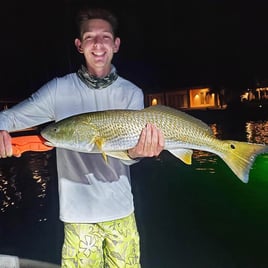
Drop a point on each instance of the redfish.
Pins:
(113, 132)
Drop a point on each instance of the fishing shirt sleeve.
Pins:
(33, 111)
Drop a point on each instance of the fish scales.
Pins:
(113, 132)
(121, 129)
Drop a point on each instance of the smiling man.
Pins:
(96, 201)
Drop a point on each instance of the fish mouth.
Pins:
(45, 141)
(48, 143)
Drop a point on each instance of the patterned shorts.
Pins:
(101, 245)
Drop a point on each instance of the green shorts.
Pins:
(106, 244)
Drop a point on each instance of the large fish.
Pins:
(113, 132)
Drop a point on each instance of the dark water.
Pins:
(188, 216)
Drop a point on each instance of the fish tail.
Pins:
(240, 157)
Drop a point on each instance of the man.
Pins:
(96, 202)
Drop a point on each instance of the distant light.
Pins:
(154, 101)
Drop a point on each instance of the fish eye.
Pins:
(232, 146)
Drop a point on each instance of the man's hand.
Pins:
(5, 144)
(151, 143)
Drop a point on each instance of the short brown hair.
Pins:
(96, 13)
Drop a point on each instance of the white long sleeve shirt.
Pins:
(89, 189)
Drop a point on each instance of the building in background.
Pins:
(258, 93)
(188, 98)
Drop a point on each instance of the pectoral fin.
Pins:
(99, 143)
(120, 154)
(185, 155)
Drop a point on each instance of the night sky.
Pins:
(164, 46)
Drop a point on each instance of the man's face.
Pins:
(97, 43)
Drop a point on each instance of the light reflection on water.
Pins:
(257, 131)
(12, 179)
(29, 224)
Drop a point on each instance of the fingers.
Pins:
(152, 146)
(5, 144)
(160, 142)
(148, 144)
(137, 151)
(151, 143)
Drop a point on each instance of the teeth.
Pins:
(98, 54)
